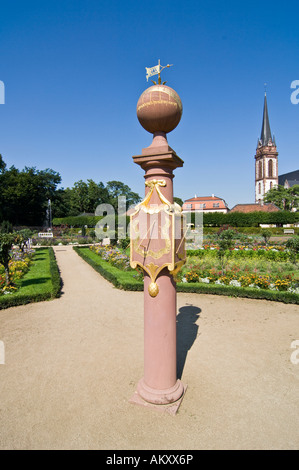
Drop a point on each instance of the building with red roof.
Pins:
(205, 204)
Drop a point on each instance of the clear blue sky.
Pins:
(74, 70)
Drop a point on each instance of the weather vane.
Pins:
(150, 71)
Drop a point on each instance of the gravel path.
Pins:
(72, 364)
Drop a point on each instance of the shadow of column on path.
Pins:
(187, 332)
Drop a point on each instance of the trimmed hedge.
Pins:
(55, 275)
(20, 298)
(251, 219)
(121, 280)
(232, 291)
(82, 220)
(77, 222)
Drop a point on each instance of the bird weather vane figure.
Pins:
(150, 71)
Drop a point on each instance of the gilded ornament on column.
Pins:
(157, 235)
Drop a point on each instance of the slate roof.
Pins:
(292, 178)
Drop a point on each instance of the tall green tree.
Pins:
(6, 242)
(2, 164)
(179, 201)
(86, 196)
(284, 198)
(116, 189)
(97, 194)
(79, 197)
(24, 194)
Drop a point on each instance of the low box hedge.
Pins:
(232, 291)
(120, 279)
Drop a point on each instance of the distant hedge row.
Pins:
(76, 222)
(211, 219)
(251, 219)
(82, 220)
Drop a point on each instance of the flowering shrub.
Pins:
(18, 266)
(192, 276)
(247, 280)
(113, 255)
(263, 282)
(235, 278)
(282, 284)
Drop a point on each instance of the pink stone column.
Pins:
(159, 384)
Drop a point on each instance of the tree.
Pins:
(284, 198)
(79, 197)
(226, 242)
(116, 189)
(60, 203)
(294, 193)
(6, 242)
(22, 238)
(293, 246)
(266, 234)
(97, 194)
(6, 227)
(2, 164)
(24, 194)
(85, 197)
(178, 200)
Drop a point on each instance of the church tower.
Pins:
(266, 162)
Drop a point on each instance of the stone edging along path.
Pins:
(72, 364)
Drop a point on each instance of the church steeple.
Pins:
(266, 136)
(266, 162)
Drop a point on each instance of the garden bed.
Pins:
(130, 280)
(41, 282)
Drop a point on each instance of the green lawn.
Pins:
(41, 282)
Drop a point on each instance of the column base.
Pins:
(161, 400)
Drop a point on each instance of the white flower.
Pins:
(235, 283)
(294, 290)
(206, 280)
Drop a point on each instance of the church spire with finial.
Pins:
(266, 161)
(266, 136)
